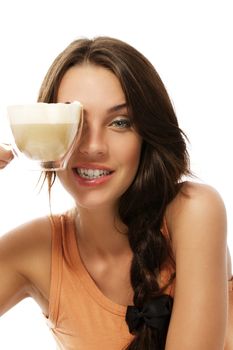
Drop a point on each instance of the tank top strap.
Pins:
(56, 268)
(68, 239)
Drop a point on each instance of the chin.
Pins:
(96, 203)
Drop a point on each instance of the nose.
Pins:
(92, 141)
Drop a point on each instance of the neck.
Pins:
(101, 233)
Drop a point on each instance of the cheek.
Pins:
(130, 157)
(133, 158)
(128, 152)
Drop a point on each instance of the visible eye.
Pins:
(122, 123)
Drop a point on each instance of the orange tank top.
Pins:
(80, 316)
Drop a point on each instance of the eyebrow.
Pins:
(117, 108)
(112, 109)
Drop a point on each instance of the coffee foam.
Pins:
(45, 113)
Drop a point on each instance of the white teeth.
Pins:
(92, 173)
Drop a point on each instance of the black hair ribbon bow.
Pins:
(155, 313)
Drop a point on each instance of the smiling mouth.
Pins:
(91, 174)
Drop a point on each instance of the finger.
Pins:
(6, 154)
(3, 164)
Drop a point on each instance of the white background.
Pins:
(190, 44)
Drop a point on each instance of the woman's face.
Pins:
(106, 159)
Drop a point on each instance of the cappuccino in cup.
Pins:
(45, 133)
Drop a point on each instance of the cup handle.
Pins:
(6, 146)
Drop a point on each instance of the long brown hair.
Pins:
(164, 159)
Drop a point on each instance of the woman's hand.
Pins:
(6, 155)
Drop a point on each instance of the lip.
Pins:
(92, 182)
(91, 166)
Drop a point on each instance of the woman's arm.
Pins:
(25, 255)
(197, 222)
(14, 285)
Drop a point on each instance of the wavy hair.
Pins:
(164, 160)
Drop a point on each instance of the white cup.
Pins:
(45, 134)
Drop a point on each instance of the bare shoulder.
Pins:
(26, 237)
(25, 259)
(196, 218)
(27, 247)
(196, 203)
(197, 223)
(196, 193)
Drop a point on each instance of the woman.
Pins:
(140, 263)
